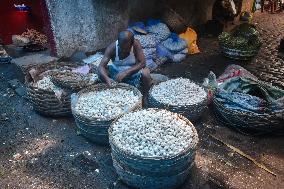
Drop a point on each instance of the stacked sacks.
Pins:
(148, 42)
(158, 43)
(177, 47)
(159, 29)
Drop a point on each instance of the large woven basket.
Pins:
(71, 81)
(94, 129)
(45, 102)
(238, 54)
(249, 123)
(192, 112)
(154, 173)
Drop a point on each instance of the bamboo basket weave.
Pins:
(71, 81)
(247, 122)
(154, 172)
(192, 112)
(238, 54)
(45, 102)
(94, 129)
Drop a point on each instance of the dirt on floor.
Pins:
(41, 152)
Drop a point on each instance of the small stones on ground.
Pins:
(152, 133)
(3, 117)
(178, 91)
(17, 156)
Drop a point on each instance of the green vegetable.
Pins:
(244, 37)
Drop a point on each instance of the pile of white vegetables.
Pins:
(178, 92)
(45, 84)
(152, 133)
(107, 104)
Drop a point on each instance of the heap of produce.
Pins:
(107, 104)
(45, 84)
(35, 37)
(152, 133)
(178, 92)
(244, 37)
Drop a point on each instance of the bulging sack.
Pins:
(190, 36)
(174, 43)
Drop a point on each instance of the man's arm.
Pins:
(103, 64)
(141, 62)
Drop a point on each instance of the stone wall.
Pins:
(85, 25)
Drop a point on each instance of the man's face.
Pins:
(125, 47)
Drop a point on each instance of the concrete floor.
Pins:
(39, 152)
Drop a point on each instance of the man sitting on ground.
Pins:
(129, 65)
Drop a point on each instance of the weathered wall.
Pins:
(195, 12)
(89, 25)
(85, 25)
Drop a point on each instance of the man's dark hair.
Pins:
(126, 36)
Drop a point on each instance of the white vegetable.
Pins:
(107, 104)
(152, 133)
(178, 91)
(45, 84)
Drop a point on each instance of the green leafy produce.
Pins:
(244, 37)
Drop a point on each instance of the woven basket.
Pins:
(97, 130)
(158, 172)
(45, 102)
(248, 123)
(192, 112)
(238, 54)
(71, 81)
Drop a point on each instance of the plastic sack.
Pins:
(184, 51)
(249, 114)
(252, 87)
(151, 64)
(177, 58)
(174, 43)
(160, 30)
(163, 52)
(190, 36)
(147, 41)
(95, 59)
(235, 71)
(242, 101)
(150, 53)
(137, 28)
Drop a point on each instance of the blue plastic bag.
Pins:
(163, 52)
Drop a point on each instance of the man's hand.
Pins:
(120, 76)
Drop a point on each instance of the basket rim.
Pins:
(237, 50)
(192, 146)
(46, 67)
(180, 106)
(238, 112)
(74, 84)
(101, 87)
